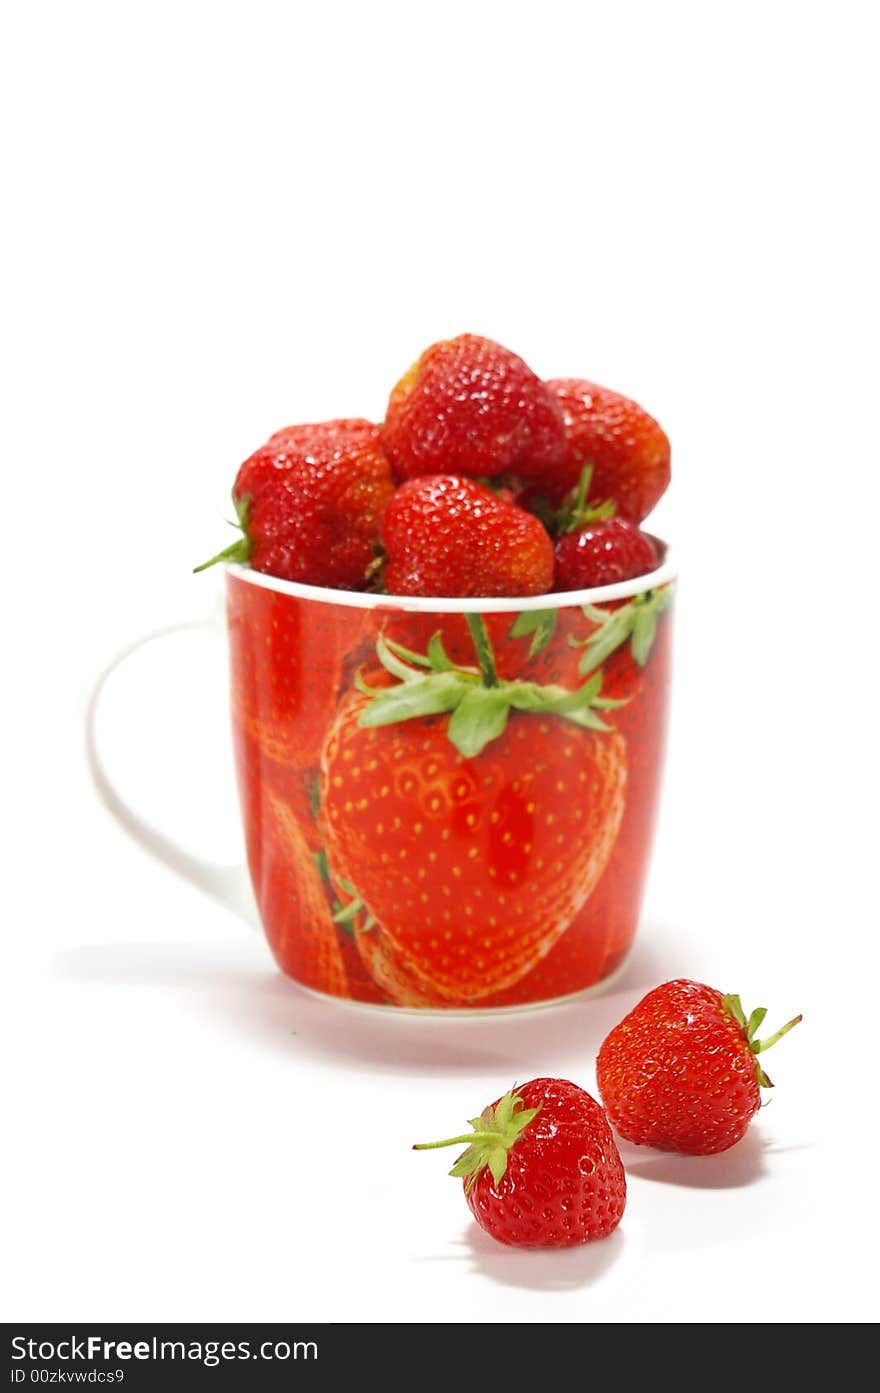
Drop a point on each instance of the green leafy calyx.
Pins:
(351, 914)
(634, 623)
(750, 1026)
(478, 701)
(540, 623)
(495, 1131)
(240, 549)
(576, 512)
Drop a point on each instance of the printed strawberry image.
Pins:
(389, 970)
(613, 912)
(287, 661)
(310, 503)
(413, 629)
(470, 406)
(473, 815)
(293, 904)
(681, 1071)
(541, 1169)
(632, 642)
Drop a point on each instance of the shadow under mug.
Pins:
(449, 804)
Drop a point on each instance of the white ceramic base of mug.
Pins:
(374, 1008)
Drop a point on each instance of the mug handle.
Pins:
(228, 885)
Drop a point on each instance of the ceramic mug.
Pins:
(449, 804)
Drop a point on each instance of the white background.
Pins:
(223, 218)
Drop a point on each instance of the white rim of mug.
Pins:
(556, 599)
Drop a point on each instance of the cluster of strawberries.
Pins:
(679, 1073)
(482, 481)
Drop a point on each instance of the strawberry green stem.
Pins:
(759, 1046)
(238, 551)
(456, 1141)
(478, 701)
(580, 500)
(577, 512)
(734, 1007)
(483, 645)
(496, 1130)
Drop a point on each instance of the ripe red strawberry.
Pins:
(602, 553)
(294, 906)
(681, 1072)
(259, 776)
(450, 536)
(287, 659)
(310, 504)
(469, 406)
(627, 449)
(473, 817)
(541, 1169)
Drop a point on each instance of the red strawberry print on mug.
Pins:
(473, 816)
